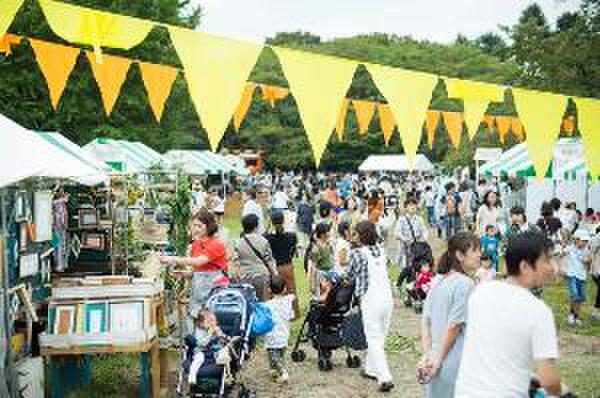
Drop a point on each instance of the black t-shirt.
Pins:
(283, 246)
(549, 226)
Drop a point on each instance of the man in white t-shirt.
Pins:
(280, 200)
(510, 332)
(252, 207)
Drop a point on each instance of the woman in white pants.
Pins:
(368, 270)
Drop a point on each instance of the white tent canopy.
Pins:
(24, 154)
(395, 163)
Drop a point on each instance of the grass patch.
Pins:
(557, 297)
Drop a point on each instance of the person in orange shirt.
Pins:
(375, 206)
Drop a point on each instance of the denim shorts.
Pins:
(576, 289)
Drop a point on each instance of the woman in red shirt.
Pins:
(207, 261)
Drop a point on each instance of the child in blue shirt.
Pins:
(490, 244)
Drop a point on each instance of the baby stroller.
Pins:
(233, 307)
(420, 254)
(331, 324)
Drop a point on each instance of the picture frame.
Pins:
(96, 317)
(64, 322)
(93, 241)
(42, 215)
(23, 237)
(29, 265)
(21, 207)
(88, 218)
(127, 316)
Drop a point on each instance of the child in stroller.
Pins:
(331, 324)
(214, 353)
(416, 291)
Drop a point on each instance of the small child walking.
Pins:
(490, 245)
(579, 259)
(276, 342)
(486, 272)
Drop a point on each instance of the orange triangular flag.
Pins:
(56, 63)
(244, 105)
(364, 113)
(454, 126)
(503, 123)
(7, 41)
(158, 80)
(517, 128)
(272, 94)
(489, 121)
(340, 125)
(431, 123)
(387, 122)
(110, 75)
(568, 125)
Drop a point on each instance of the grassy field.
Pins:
(117, 375)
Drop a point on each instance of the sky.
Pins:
(434, 20)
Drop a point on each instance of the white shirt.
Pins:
(508, 329)
(280, 200)
(219, 205)
(430, 199)
(282, 312)
(251, 207)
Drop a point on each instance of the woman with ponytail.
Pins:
(445, 315)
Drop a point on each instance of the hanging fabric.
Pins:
(8, 10)
(387, 122)
(517, 128)
(431, 124)
(244, 105)
(340, 126)
(158, 80)
(110, 76)
(588, 120)
(216, 70)
(454, 126)
(503, 123)
(273, 94)
(6, 43)
(568, 125)
(56, 63)
(364, 110)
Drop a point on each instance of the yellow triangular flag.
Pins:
(476, 97)
(431, 124)
(216, 70)
(517, 128)
(568, 125)
(7, 41)
(541, 115)
(110, 75)
(272, 94)
(364, 110)
(454, 126)
(56, 63)
(244, 105)
(8, 10)
(489, 121)
(319, 84)
(408, 94)
(340, 126)
(158, 80)
(95, 28)
(503, 123)
(387, 122)
(588, 120)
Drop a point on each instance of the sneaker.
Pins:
(571, 319)
(386, 386)
(578, 322)
(284, 377)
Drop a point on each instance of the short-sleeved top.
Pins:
(283, 246)
(282, 312)
(214, 250)
(508, 329)
(446, 304)
(322, 256)
(576, 262)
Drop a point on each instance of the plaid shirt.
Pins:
(408, 235)
(359, 270)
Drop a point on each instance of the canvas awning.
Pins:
(204, 163)
(397, 163)
(126, 156)
(27, 154)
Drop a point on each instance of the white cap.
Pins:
(582, 234)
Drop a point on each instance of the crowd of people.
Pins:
(484, 323)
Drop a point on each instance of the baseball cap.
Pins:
(582, 234)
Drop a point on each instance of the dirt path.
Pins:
(307, 381)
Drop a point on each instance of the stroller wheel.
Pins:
(298, 356)
(418, 308)
(353, 362)
(408, 302)
(325, 365)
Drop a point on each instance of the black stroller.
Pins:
(332, 324)
(419, 253)
(233, 307)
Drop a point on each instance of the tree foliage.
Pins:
(533, 53)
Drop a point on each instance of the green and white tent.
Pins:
(126, 156)
(204, 163)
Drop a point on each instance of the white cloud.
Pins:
(436, 20)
